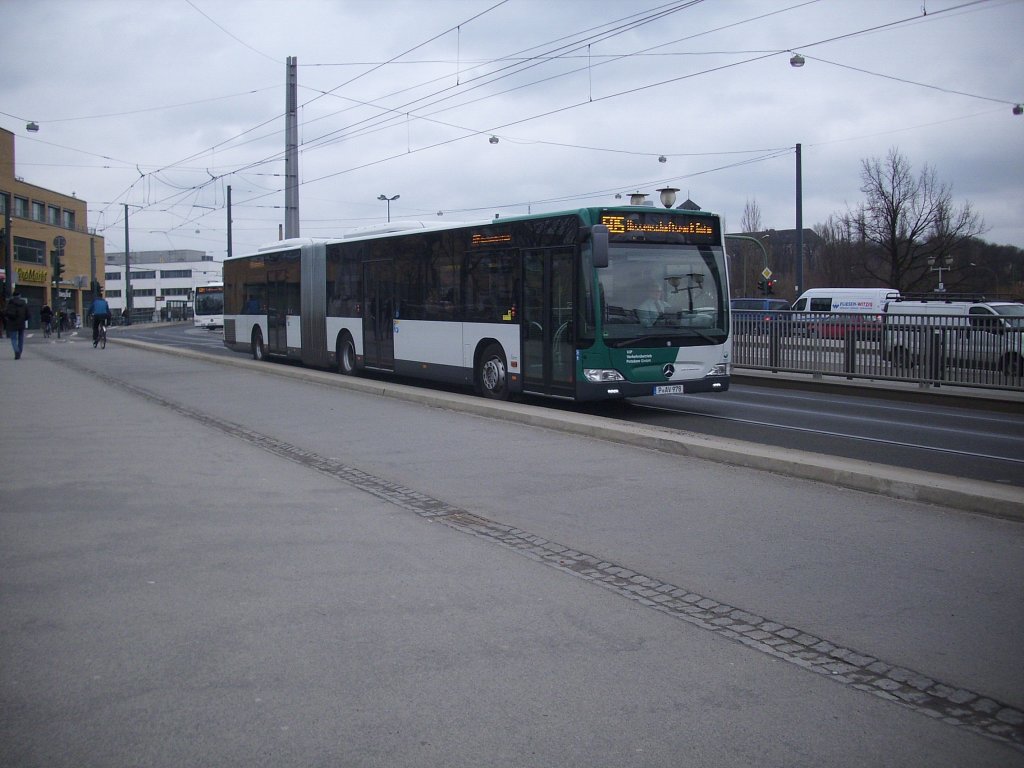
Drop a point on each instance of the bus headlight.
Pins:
(599, 375)
(722, 369)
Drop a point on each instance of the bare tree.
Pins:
(751, 221)
(746, 269)
(839, 251)
(908, 220)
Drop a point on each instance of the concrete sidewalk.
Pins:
(210, 564)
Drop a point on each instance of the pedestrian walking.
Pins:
(16, 319)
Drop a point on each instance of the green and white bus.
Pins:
(589, 304)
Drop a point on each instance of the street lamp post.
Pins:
(937, 264)
(388, 201)
(668, 196)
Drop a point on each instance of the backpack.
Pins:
(16, 312)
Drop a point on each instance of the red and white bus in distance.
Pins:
(590, 304)
(208, 306)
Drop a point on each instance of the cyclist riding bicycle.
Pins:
(46, 319)
(100, 314)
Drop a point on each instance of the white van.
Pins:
(870, 301)
(976, 334)
(841, 313)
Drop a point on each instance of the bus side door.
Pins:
(379, 314)
(548, 330)
(277, 311)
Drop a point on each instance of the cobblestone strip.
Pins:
(946, 702)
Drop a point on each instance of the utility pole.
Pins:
(92, 267)
(229, 221)
(8, 238)
(799, 223)
(291, 151)
(127, 272)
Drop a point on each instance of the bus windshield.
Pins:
(676, 292)
(209, 301)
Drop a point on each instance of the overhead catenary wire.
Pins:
(406, 115)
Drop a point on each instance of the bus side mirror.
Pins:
(598, 236)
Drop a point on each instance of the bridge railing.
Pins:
(927, 349)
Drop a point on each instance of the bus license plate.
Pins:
(669, 389)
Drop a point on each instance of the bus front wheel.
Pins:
(492, 373)
(346, 355)
(258, 351)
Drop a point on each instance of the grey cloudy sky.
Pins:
(163, 104)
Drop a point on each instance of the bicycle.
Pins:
(101, 336)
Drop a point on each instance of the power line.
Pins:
(537, 59)
(913, 82)
(229, 34)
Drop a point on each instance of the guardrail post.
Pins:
(849, 358)
(773, 346)
(937, 357)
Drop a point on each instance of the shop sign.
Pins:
(26, 275)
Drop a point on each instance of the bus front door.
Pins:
(548, 335)
(379, 315)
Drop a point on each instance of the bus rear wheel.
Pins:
(258, 350)
(346, 354)
(492, 373)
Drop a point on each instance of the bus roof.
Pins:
(408, 227)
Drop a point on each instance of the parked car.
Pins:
(756, 315)
(979, 334)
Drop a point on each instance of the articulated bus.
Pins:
(591, 304)
(208, 306)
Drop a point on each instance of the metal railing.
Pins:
(927, 349)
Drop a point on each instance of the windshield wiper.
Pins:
(639, 341)
(661, 339)
(703, 334)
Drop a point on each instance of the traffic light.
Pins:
(58, 271)
(771, 286)
(762, 285)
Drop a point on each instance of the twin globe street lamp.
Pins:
(388, 201)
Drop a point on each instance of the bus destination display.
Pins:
(661, 227)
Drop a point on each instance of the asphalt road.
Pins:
(972, 439)
(961, 437)
(207, 564)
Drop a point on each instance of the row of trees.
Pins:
(904, 231)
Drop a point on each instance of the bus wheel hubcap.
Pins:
(494, 374)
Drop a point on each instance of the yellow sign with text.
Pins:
(32, 275)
